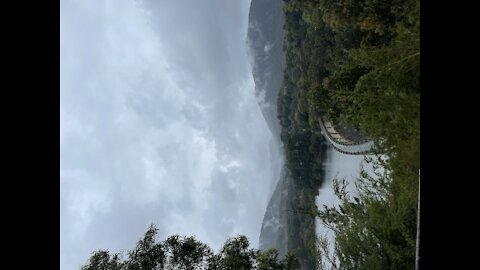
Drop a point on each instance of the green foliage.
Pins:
(235, 254)
(187, 253)
(102, 260)
(358, 64)
(268, 261)
(375, 229)
(148, 254)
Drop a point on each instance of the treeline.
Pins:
(356, 63)
(180, 252)
(305, 151)
(303, 144)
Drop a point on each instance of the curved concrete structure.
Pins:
(342, 144)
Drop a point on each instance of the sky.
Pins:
(158, 124)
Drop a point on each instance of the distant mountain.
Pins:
(274, 232)
(265, 48)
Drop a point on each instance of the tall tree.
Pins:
(187, 253)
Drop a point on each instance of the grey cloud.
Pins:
(206, 37)
(159, 124)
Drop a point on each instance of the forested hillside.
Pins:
(356, 63)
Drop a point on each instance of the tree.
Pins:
(374, 229)
(148, 254)
(187, 253)
(102, 260)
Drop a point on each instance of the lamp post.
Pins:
(417, 255)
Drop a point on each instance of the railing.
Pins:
(343, 145)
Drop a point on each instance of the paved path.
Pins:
(344, 140)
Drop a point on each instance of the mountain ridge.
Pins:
(265, 48)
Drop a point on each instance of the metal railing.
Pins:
(349, 148)
(417, 244)
(363, 148)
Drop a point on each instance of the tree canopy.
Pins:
(356, 63)
(187, 253)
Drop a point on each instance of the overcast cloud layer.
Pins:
(159, 124)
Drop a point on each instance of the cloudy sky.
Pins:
(159, 124)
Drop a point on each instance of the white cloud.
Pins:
(267, 47)
(159, 123)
